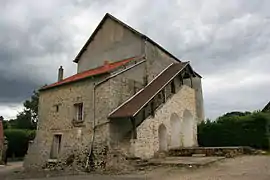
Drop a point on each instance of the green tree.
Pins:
(27, 119)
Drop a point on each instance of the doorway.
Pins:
(188, 129)
(175, 131)
(56, 144)
(162, 138)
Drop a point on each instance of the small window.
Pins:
(56, 108)
(79, 111)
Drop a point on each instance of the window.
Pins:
(56, 144)
(79, 111)
(56, 108)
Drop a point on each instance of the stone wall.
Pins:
(122, 88)
(51, 122)
(77, 137)
(147, 142)
(197, 85)
(113, 42)
(157, 60)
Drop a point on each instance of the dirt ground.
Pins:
(239, 168)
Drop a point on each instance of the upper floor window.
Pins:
(56, 108)
(79, 111)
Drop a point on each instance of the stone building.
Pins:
(266, 108)
(129, 95)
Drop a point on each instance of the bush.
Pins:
(18, 140)
(245, 130)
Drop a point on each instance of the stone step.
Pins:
(198, 155)
(208, 151)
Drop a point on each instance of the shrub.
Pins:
(245, 130)
(18, 140)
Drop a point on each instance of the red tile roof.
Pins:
(106, 68)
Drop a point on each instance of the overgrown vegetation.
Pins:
(236, 129)
(21, 130)
(18, 140)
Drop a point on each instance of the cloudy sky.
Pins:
(227, 42)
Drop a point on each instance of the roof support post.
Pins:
(191, 82)
(164, 95)
(134, 130)
(182, 79)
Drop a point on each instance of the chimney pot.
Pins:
(60, 73)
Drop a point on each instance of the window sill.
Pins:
(77, 123)
(52, 160)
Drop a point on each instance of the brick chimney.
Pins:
(1, 131)
(60, 73)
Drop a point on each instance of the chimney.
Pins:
(106, 63)
(60, 73)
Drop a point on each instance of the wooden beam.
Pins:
(191, 82)
(181, 78)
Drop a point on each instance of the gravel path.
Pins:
(240, 168)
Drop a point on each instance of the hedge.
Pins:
(249, 130)
(18, 140)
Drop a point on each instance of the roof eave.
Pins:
(70, 82)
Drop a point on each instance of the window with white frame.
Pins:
(79, 111)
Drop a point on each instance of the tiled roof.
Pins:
(106, 68)
(132, 106)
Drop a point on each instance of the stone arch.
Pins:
(162, 137)
(188, 129)
(175, 131)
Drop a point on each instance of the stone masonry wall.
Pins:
(157, 60)
(147, 142)
(52, 122)
(113, 42)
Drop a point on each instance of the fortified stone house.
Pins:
(129, 94)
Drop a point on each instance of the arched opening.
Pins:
(175, 131)
(162, 138)
(188, 134)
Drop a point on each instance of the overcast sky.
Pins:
(227, 42)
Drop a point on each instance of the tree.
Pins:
(31, 106)
(27, 119)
